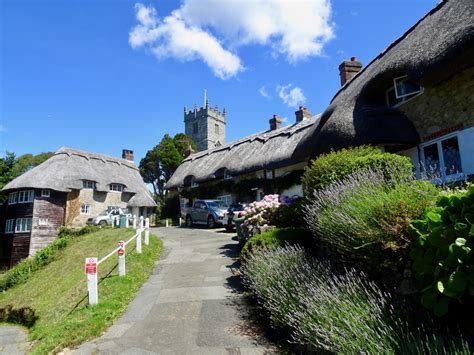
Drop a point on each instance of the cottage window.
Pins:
(441, 159)
(9, 226)
(269, 174)
(116, 187)
(227, 176)
(88, 184)
(45, 193)
(194, 182)
(43, 221)
(23, 225)
(12, 198)
(85, 209)
(26, 196)
(402, 90)
(226, 200)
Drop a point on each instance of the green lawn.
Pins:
(58, 292)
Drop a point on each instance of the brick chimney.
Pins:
(127, 154)
(348, 69)
(275, 122)
(302, 114)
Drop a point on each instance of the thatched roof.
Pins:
(68, 168)
(264, 150)
(441, 43)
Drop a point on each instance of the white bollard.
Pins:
(121, 258)
(166, 223)
(134, 222)
(139, 242)
(127, 223)
(147, 231)
(180, 221)
(91, 272)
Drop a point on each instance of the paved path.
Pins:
(190, 305)
(13, 340)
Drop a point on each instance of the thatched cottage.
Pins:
(67, 189)
(415, 98)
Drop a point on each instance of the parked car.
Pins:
(232, 213)
(108, 217)
(208, 212)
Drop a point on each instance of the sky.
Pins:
(104, 75)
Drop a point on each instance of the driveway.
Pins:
(191, 304)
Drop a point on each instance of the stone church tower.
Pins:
(205, 126)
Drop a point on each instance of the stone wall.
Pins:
(444, 107)
(206, 119)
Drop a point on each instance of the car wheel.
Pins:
(102, 223)
(189, 221)
(211, 223)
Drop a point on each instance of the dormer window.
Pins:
(227, 175)
(402, 90)
(116, 187)
(88, 184)
(194, 182)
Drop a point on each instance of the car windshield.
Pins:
(214, 204)
(105, 213)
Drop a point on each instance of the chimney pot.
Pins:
(127, 154)
(275, 122)
(348, 69)
(302, 114)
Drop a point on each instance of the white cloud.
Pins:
(2, 129)
(263, 91)
(291, 96)
(172, 37)
(212, 30)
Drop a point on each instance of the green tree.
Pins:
(162, 160)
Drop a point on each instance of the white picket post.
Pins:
(91, 272)
(180, 221)
(127, 223)
(166, 223)
(121, 258)
(134, 222)
(139, 241)
(147, 231)
(142, 222)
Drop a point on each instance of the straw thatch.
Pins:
(68, 168)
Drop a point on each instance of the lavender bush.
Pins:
(368, 208)
(338, 313)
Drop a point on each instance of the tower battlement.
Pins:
(205, 125)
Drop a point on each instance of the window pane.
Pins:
(451, 156)
(432, 161)
(404, 87)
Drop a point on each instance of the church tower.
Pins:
(205, 126)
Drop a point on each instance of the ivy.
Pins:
(243, 189)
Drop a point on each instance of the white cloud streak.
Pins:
(212, 30)
(263, 91)
(291, 96)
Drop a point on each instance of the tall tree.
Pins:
(162, 160)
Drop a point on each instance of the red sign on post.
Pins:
(121, 250)
(91, 266)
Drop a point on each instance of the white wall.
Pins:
(466, 148)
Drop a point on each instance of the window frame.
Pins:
(438, 141)
(194, 183)
(10, 223)
(19, 225)
(399, 79)
(45, 193)
(120, 187)
(227, 176)
(11, 200)
(43, 222)
(86, 210)
(30, 195)
(88, 184)
(402, 99)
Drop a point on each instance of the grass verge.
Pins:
(58, 292)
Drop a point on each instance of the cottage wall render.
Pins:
(441, 107)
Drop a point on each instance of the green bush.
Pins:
(443, 260)
(274, 238)
(27, 267)
(334, 166)
(25, 316)
(289, 215)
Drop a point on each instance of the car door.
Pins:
(202, 212)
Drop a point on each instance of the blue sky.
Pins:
(102, 75)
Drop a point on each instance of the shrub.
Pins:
(289, 214)
(171, 208)
(367, 214)
(259, 214)
(443, 260)
(25, 316)
(24, 269)
(339, 313)
(275, 238)
(334, 166)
